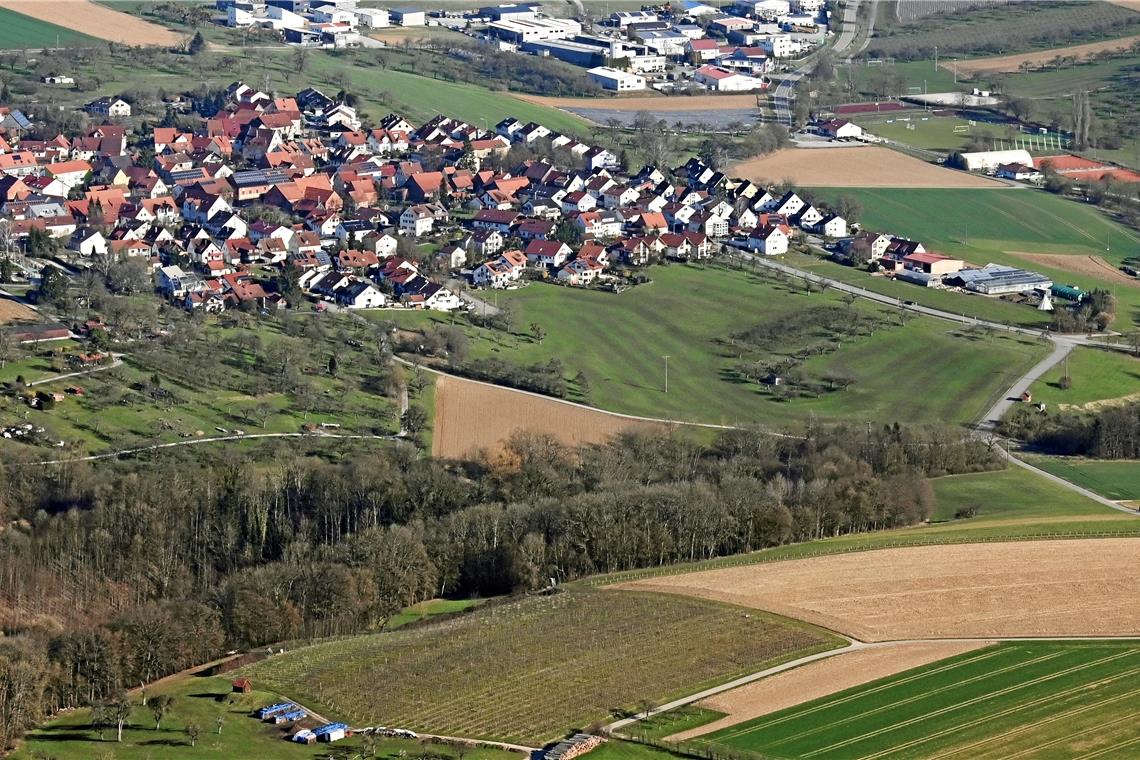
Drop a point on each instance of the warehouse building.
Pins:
(616, 79)
(534, 30)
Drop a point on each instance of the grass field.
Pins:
(536, 667)
(1118, 480)
(930, 132)
(1096, 376)
(985, 226)
(1010, 494)
(689, 313)
(1024, 700)
(894, 79)
(199, 700)
(18, 31)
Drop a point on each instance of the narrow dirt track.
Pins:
(1012, 63)
(650, 103)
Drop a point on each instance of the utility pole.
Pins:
(666, 358)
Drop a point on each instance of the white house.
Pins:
(769, 240)
(360, 295)
(722, 80)
(501, 271)
(833, 226)
(616, 79)
(548, 254)
(417, 220)
(109, 107)
(88, 242)
(841, 129)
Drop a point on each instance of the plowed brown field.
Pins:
(14, 312)
(96, 20)
(1034, 588)
(854, 167)
(821, 678)
(471, 416)
(1091, 266)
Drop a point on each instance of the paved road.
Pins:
(1062, 347)
(784, 96)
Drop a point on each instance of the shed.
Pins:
(1068, 292)
(242, 686)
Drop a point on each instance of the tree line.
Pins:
(116, 574)
(1112, 433)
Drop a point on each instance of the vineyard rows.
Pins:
(530, 670)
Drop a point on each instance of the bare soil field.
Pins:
(821, 678)
(1012, 63)
(854, 167)
(1091, 266)
(96, 20)
(471, 416)
(650, 102)
(1035, 588)
(16, 313)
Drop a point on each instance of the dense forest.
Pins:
(1111, 433)
(116, 574)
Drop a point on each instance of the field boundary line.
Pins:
(1111, 748)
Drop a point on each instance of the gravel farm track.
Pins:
(857, 166)
(1078, 587)
(96, 20)
(1013, 63)
(820, 679)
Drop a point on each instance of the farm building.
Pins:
(289, 716)
(616, 79)
(990, 160)
(1068, 292)
(932, 263)
(998, 279)
(267, 713)
(330, 732)
(242, 686)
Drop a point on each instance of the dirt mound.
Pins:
(821, 678)
(1031, 588)
(1090, 266)
(96, 20)
(1012, 63)
(855, 167)
(470, 416)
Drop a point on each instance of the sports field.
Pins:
(531, 669)
(990, 226)
(690, 314)
(18, 31)
(1020, 700)
(920, 129)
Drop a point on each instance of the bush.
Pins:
(1065, 383)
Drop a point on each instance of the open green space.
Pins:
(533, 668)
(1095, 376)
(1039, 700)
(19, 32)
(429, 609)
(257, 375)
(892, 80)
(694, 314)
(203, 701)
(983, 226)
(1118, 480)
(1011, 494)
(921, 129)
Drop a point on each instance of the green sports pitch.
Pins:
(1032, 700)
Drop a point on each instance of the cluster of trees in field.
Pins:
(1095, 312)
(1112, 433)
(117, 574)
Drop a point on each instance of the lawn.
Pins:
(202, 700)
(1040, 700)
(983, 226)
(921, 130)
(18, 32)
(876, 80)
(1111, 479)
(690, 313)
(530, 669)
(1096, 376)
